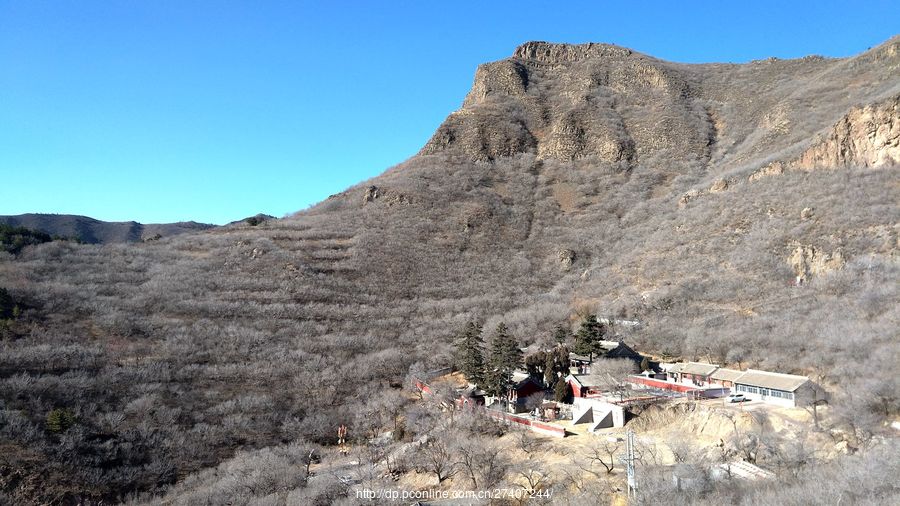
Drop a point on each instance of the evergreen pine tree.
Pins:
(505, 357)
(550, 376)
(7, 305)
(561, 334)
(536, 364)
(511, 353)
(557, 365)
(58, 420)
(470, 354)
(587, 339)
(562, 392)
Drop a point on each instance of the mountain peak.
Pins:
(549, 52)
(621, 107)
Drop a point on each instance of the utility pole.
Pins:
(629, 463)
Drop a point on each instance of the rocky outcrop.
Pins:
(867, 137)
(371, 194)
(576, 135)
(485, 136)
(808, 261)
(719, 185)
(504, 77)
(566, 258)
(689, 196)
(550, 53)
(388, 198)
(772, 169)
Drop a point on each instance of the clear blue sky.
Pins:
(212, 111)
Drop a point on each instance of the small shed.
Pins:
(579, 364)
(549, 410)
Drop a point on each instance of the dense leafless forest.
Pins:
(215, 366)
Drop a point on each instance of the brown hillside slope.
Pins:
(559, 186)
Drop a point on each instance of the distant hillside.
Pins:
(91, 231)
(252, 220)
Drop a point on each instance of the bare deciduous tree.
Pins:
(603, 453)
(526, 441)
(435, 456)
(482, 460)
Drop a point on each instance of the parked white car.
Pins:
(737, 398)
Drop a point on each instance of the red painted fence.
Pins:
(663, 385)
(535, 425)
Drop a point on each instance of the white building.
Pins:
(776, 388)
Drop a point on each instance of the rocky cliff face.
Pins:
(867, 136)
(554, 54)
(569, 102)
(620, 107)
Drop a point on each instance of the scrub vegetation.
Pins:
(216, 366)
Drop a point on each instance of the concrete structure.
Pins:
(599, 414)
(711, 380)
(740, 469)
(690, 477)
(688, 390)
(779, 389)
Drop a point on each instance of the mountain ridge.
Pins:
(92, 231)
